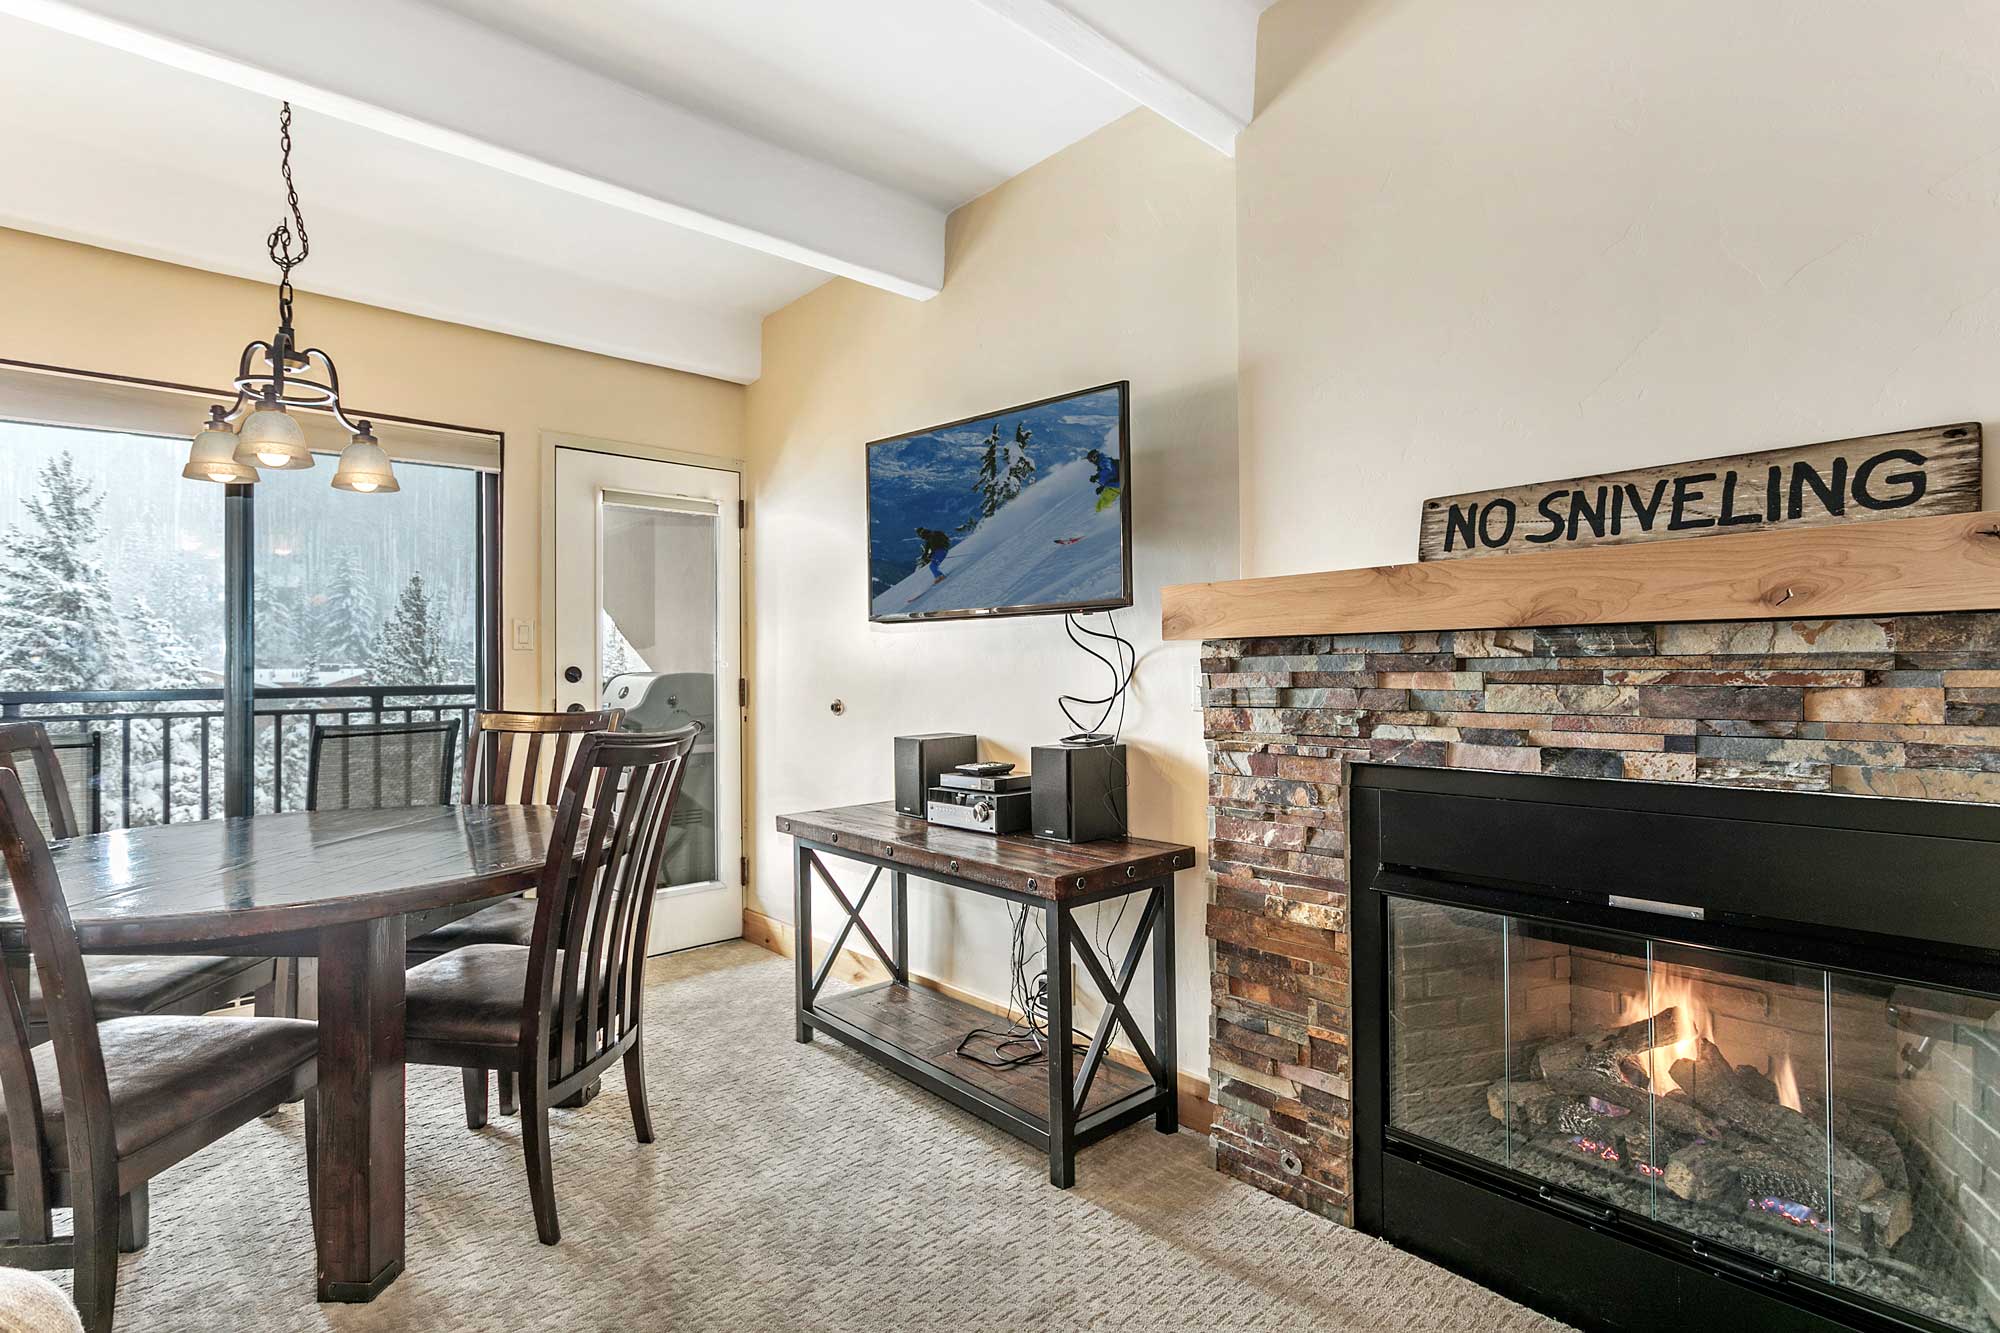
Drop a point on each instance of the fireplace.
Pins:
(1669, 1057)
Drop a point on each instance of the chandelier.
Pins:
(274, 377)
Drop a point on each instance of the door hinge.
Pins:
(742, 692)
(742, 513)
(743, 870)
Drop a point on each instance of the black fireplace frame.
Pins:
(1792, 876)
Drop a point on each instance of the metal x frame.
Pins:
(895, 960)
(1068, 1126)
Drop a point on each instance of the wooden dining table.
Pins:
(346, 887)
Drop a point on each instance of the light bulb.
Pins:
(364, 468)
(272, 438)
(212, 456)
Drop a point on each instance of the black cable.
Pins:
(1122, 671)
(1030, 997)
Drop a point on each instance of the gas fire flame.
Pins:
(1676, 988)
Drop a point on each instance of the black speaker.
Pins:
(919, 760)
(1079, 792)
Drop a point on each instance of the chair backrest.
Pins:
(595, 902)
(52, 788)
(381, 765)
(524, 758)
(92, 1158)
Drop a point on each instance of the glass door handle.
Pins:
(1594, 1212)
(1730, 1263)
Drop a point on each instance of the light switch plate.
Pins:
(524, 636)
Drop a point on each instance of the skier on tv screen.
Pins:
(935, 545)
(1106, 479)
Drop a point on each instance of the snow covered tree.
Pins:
(988, 483)
(347, 625)
(411, 648)
(58, 630)
(1020, 467)
(618, 653)
(1003, 470)
(163, 659)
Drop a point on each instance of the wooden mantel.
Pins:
(1902, 566)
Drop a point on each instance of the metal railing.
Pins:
(161, 750)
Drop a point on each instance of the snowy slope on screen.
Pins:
(1016, 557)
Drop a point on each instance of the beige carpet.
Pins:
(792, 1187)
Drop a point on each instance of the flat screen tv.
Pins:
(1012, 513)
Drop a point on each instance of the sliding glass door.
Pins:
(115, 575)
(367, 610)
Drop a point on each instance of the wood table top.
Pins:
(238, 879)
(1038, 867)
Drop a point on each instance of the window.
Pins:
(114, 579)
(367, 610)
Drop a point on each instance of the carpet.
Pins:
(791, 1187)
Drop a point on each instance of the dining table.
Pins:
(347, 888)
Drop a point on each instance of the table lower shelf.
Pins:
(916, 1031)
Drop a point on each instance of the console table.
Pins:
(1060, 1104)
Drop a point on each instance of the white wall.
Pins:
(1483, 244)
(1112, 260)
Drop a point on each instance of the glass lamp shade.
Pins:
(269, 437)
(213, 457)
(364, 468)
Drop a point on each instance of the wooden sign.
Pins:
(1908, 474)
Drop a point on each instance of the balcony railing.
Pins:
(157, 754)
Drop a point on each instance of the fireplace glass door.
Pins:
(1837, 1127)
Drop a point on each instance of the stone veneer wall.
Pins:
(1903, 706)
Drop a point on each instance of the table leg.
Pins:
(802, 918)
(359, 1203)
(1168, 1119)
(1061, 1055)
(899, 924)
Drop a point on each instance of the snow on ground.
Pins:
(1014, 557)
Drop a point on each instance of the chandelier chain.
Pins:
(280, 239)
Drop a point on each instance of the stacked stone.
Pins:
(1899, 706)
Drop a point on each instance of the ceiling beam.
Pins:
(430, 77)
(1194, 62)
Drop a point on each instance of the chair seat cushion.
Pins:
(126, 987)
(511, 921)
(472, 996)
(166, 1072)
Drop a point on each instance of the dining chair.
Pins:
(512, 759)
(381, 765)
(559, 1012)
(105, 1105)
(124, 986)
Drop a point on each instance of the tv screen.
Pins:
(1017, 512)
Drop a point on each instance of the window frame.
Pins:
(239, 566)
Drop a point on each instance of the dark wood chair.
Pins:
(512, 759)
(557, 1013)
(124, 987)
(381, 765)
(104, 1106)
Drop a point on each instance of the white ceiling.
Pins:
(641, 178)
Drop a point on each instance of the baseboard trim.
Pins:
(1196, 1109)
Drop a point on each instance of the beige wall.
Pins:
(1111, 260)
(1483, 244)
(71, 305)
